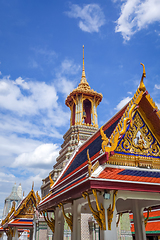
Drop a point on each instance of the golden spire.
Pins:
(142, 86)
(83, 79)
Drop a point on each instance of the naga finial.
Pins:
(51, 181)
(142, 86)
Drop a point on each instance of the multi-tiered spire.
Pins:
(83, 102)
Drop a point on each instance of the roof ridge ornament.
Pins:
(142, 86)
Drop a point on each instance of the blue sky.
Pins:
(41, 62)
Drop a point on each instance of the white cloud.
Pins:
(62, 83)
(43, 155)
(122, 103)
(157, 86)
(38, 96)
(136, 15)
(91, 17)
(13, 145)
(19, 81)
(158, 105)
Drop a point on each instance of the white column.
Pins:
(34, 228)
(138, 219)
(59, 225)
(109, 234)
(76, 234)
(15, 236)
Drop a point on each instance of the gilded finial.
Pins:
(142, 86)
(32, 185)
(51, 181)
(90, 167)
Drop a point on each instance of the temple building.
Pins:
(114, 172)
(83, 102)
(15, 196)
(23, 221)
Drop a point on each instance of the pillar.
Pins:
(109, 234)
(76, 210)
(59, 225)
(138, 219)
(15, 236)
(1, 235)
(34, 228)
(31, 234)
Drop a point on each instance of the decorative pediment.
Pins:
(26, 209)
(138, 146)
(139, 140)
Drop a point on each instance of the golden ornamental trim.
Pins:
(38, 198)
(98, 215)
(29, 203)
(50, 222)
(110, 144)
(142, 86)
(10, 232)
(46, 195)
(69, 218)
(9, 214)
(51, 181)
(110, 210)
(146, 219)
(90, 167)
(140, 143)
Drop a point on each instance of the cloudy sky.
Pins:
(41, 62)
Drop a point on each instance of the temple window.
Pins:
(87, 111)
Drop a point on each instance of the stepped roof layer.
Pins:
(22, 222)
(123, 154)
(23, 214)
(153, 225)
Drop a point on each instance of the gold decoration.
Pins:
(99, 215)
(109, 145)
(139, 140)
(110, 210)
(119, 216)
(50, 222)
(10, 232)
(38, 198)
(104, 138)
(26, 209)
(12, 211)
(83, 91)
(146, 219)
(51, 181)
(90, 167)
(142, 86)
(69, 219)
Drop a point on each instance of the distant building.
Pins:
(15, 196)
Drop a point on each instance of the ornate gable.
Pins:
(139, 140)
(139, 143)
(26, 208)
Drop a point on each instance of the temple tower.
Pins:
(83, 102)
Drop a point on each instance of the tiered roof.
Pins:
(113, 160)
(22, 216)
